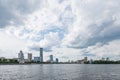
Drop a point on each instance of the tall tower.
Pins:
(85, 58)
(41, 54)
(57, 60)
(21, 57)
(51, 58)
(29, 57)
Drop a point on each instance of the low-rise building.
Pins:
(36, 59)
(2, 58)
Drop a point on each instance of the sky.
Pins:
(67, 29)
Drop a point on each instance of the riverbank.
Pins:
(32, 63)
(46, 63)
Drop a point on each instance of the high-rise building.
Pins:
(57, 60)
(85, 59)
(103, 59)
(51, 58)
(90, 61)
(41, 54)
(107, 59)
(21, 57)
(29, 57)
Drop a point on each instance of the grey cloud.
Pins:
(104, 33)
(60, 1)
(67, 17)
(5, 16)
(100, 19)
(88, 54)
(25, 6)
(65, 57)
(9, 10)
(37, 48)
(108, 31)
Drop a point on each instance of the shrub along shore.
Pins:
(15, 61)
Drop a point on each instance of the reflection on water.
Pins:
(60, 72)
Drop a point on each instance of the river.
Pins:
(60, 72)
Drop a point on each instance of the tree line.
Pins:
(8, 61)
(103, 62)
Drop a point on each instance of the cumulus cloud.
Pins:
(14, 12)
(45, 21)
(93, 27)
(80, 25)
(50, 40)
(111, 50)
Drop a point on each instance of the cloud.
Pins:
(109, 50)
(10, 45)
(78, 27)
(92, 27)
(50, 40)
(15, 14)
(48, 22)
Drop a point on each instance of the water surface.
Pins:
(60, 72)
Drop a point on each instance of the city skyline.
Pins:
(67, 29)
(30, 58)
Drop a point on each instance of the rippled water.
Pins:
(60, 72)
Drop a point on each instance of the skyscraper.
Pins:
(90, 61)
(41, 54)
(29, 57)
(51, 58)
(85, 59)
(21, 57)
(57, 60)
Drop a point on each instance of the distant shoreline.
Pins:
(44, 63)
(32, 63)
